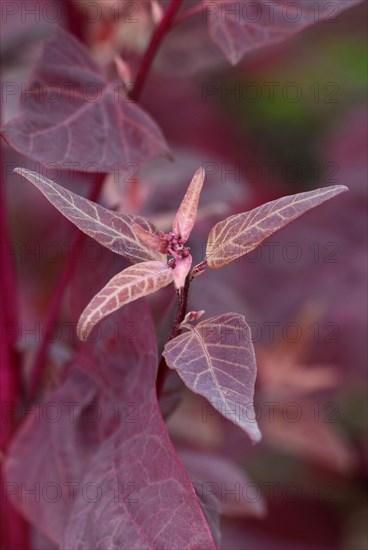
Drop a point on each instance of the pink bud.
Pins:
(181, 271)
(192, 316)
(199, 269)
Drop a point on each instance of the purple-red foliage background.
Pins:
(288, 118)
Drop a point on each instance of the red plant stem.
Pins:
(189, 13)
(10, 373)
(13, 528)
(181, 311)
(149, 55)
(78, 242)
(75, 19)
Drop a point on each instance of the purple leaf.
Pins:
(52, 454)
(146, 499)
(149, 240)
(242, 233)
(216, 359)
(144, 496)
(111, 229)
(219, 477)
(209, 501)
(132, 283)
(187, 212)
(74, 118)
(311, 438)
(242, 26)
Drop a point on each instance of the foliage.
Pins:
(110, 469)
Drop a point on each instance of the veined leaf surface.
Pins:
(134, 282)
(145, 498)
(72, 117)
(238, 27)
(215, 358)
(242, 233)
(111, 229)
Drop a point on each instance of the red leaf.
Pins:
(187, 212)
(217, 476)
(283, 369)
(132, 283)
(242, 233)
(73, 117)
(145, 498)
(312, 436)
(210, 502)
(52, 453)
(216, 359)
(240, 27)
(111, 229)
(149, 239)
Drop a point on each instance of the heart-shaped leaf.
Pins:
(111, 229)
(72, 117)
(216, 359)
(240, 27)
(134, 282)
(242, 233)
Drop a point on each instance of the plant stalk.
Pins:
(181, 311)
(190, 12)
(13, 528)
(149, 55)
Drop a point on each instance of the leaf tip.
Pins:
(83, 330)
(342, 188)
(255, 435)
(201, 172)
(335, 190)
